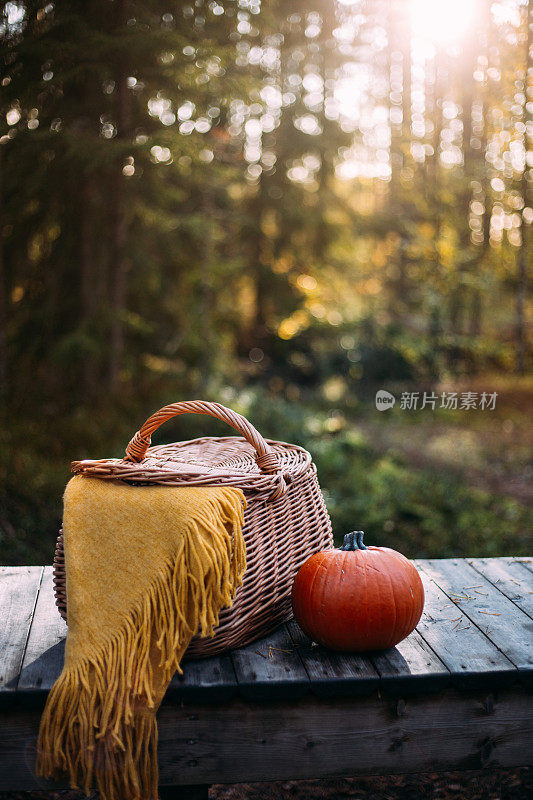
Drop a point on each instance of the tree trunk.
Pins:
(476, 298)
(321, 236)
(405, 41)
(399, 63)
(120, 264)
(259, 323)
(457, 300)
(522, 259)
(88, 283)
(521, 293)
(118, 286)
(433, 198)
(3, 299)
(206, 292)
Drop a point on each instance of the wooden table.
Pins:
(457, 693)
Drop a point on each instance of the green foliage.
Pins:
(178, 217)
(424, 511)
(170, 188)
(421, 512)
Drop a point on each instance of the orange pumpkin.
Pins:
(357, 598)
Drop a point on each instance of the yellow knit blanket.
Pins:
(147, 568)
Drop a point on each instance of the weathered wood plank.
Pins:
(463, 648)
(410, 667)
(310, 738)
(360, 735)
(333, 674)
(204, 680)
(45, 650)
(486, 607)
(19, 587)
(526, 562)
(270, 668)
(510, 577)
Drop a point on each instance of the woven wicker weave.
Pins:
(286, 519)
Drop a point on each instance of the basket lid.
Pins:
(249, 462)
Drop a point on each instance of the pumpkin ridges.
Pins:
(320, 594)
(314, 564)
(316, 576)
(408, 623)
(381, 602)
(407, 612)
(363, 599)
(395, 606)
(365, 594)
(377, 600)
(416, 606)
(308, 564)
(407, 609)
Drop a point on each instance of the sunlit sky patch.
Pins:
(442, 21)
(362, 92)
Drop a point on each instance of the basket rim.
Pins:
(294, 460)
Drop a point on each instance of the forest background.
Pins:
(285, 207)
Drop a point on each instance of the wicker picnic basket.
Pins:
(285, 520)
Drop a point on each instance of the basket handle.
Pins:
(267, 460)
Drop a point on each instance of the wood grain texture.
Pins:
(411, 666)
(360, 735)
(526, 562)
(19, 587)
(310, 738)
(45, 650)
(271, 668)
(510, 577)
(465, 650)
(333, 674)
(206, 680)
(289, 721)
(287, 662)
(479, 601)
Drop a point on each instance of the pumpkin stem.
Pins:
(360, 544)
(353, 541)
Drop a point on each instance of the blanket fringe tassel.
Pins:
(99, 723)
